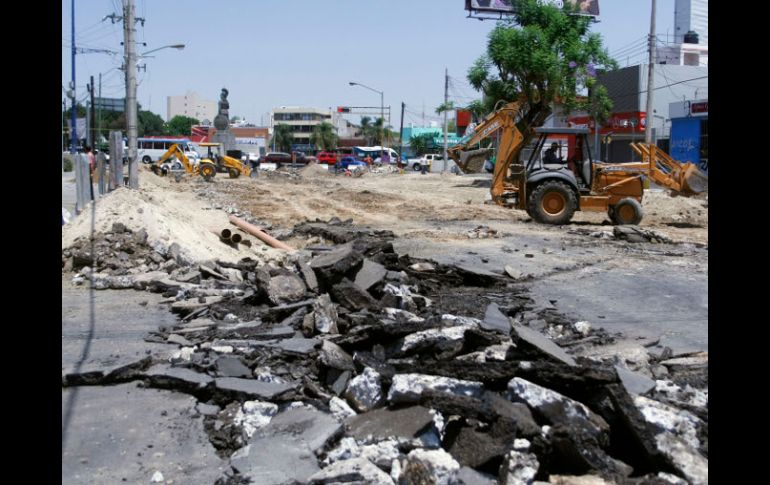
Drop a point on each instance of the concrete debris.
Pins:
(363, 366)
(518, 468)
(254, 415)
(665, 418)
(422, 267)
(354, 470)
(402, 315)
(325, 315)
(407, 388)
(398, 297)
(681, 396)
(583, 327)
(364, 391)
(157, 477)
(437, 466)
(556, 408)
(340, 409)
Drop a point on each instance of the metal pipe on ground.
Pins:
(257, 232)
(226, 233)
(236, 238)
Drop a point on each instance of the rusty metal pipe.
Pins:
(257, 232)
(236, 238)
(226, 233)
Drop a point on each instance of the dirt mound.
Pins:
(313, 169)
(168, 217)
(661, 208)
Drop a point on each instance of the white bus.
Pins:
(149, 150)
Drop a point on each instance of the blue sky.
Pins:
(271, 53)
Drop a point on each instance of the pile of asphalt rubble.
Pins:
(348, 363)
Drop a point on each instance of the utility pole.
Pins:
(74, 117)
(401, 135)
(93, 115)
(131, 114)
(650, 80)
(446, 100)
(99, 113)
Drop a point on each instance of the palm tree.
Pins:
(324, 137)
(283, 137)
(366, 128)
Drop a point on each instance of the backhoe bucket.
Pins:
(695, 180)
(472, 161)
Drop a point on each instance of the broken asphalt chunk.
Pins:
(370, 274)
(334, 265)
(356, 470)
(164, 376)
(543, 344)
(495, 320)
(249, 389)
(403, 424)
(407, 388)
(287, 288)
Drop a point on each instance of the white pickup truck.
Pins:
(426, 160)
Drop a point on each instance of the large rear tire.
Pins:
(552, 202)
(208, 171)
(146, 159)
(234, 173)
(627, 212)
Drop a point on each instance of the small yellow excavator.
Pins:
(175, 162)
(551, 188)
(224, 163)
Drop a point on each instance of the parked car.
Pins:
(275, 157)
(327, 157)
(349, 162)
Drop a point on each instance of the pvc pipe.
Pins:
(257, 232)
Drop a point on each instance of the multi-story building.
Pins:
(190, 104)
(303, 121)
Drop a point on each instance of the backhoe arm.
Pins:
(681, 178)
(175, 151)
(502, 119)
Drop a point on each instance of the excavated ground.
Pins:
(431, 339)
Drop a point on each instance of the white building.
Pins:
(304, 120)
(190, 104)
(689, 16)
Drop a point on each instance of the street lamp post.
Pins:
(131, 107)
(382, 113)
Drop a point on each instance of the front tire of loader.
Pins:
(627, 212)
(234, 173)
(208, 171)
(552, 202)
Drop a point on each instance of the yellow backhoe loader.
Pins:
(224, 163)
(175, 162)
(558, 175)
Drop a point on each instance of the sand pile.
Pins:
(661, 208)
(167, 215)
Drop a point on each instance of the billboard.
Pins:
(587, 7)
(110, 104)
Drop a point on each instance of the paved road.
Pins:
(641, 290)
(125, 433)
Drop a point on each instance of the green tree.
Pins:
(540, 55)
(150, 124)
(283, 136)
(366, 129)
(180, 125)
(324, 137)
(420, 143)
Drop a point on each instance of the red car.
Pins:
(327, 157)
